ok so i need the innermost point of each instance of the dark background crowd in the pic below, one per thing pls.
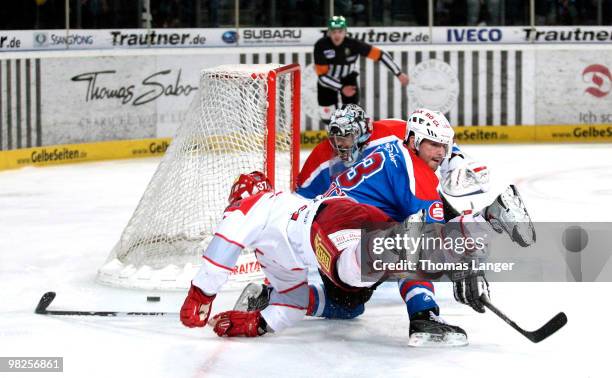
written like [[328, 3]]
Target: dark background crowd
[[101, 14]]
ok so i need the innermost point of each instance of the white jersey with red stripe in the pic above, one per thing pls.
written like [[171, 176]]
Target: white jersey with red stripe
[[277, 227]]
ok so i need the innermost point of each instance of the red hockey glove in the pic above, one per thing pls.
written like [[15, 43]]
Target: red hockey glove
[[238, 323], [196, 308]]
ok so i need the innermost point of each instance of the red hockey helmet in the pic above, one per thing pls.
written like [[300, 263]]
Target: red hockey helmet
[[248, 185]]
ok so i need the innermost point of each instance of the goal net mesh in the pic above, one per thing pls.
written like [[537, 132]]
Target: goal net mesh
[[223, 135]]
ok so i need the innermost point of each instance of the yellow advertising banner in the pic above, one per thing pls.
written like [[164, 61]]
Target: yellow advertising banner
[[76, 153], [534, 134], [510, 134]]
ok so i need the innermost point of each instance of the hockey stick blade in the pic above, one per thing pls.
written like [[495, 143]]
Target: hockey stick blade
[[44, 302], [552, 326], [48, 297]]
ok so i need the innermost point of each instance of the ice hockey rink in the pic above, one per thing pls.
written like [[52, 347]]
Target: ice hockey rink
[[58, 225]]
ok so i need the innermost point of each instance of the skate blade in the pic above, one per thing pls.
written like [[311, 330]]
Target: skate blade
[[252, 290], [420, 340]]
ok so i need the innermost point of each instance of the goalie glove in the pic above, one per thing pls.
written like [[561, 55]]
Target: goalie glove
[[468, 288], [462, 176], [239, 323], [508, 213], [196, 308]]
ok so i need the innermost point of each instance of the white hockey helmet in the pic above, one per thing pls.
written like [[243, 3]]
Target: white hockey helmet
[[430, 125]]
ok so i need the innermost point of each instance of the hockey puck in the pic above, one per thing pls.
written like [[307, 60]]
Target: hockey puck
[[153, 299]]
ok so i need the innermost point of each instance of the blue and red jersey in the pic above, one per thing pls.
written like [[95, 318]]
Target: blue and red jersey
[[393, 179], [323, 165]]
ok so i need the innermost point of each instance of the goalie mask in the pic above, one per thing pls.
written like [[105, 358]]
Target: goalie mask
[[248, 185], [430, 125], [349, 130]]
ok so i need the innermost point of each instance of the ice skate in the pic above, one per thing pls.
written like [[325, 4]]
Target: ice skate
[[255, 296], [427, 329]]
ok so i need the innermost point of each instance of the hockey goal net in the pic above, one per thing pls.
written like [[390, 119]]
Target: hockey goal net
[[244, 118]]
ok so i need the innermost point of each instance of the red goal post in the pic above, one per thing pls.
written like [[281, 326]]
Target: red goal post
[[294, 70]]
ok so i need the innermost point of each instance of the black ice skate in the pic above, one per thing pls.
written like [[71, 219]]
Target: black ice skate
[[255, 296], [427, 329], [508, 213]]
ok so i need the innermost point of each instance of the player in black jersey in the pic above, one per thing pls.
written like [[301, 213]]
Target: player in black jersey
[[335, 58]]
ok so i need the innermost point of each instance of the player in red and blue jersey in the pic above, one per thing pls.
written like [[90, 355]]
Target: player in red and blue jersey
[[398, 177], [460, 175]]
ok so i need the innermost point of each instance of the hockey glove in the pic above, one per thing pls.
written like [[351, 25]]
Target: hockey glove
[[239, 323], [468, 289], [462, 176], [196, 308], [508, 213]]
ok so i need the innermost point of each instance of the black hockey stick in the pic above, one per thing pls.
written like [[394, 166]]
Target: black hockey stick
[[48, 297], [552, 326]]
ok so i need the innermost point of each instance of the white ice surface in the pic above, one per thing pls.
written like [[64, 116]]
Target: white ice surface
[[58, 224]]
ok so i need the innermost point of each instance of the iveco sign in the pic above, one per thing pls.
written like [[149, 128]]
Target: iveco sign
[[474, 35]]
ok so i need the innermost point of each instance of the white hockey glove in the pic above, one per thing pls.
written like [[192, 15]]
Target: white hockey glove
[[462, 176], [508, 214]]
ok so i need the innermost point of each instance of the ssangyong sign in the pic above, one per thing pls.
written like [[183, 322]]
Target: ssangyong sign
[[55, 40]]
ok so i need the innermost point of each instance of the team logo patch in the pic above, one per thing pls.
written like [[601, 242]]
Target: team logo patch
[[329, 54], [436, 211], [323, 255], [345, 238]]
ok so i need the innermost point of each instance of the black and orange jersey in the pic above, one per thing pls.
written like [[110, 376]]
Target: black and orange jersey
[[332, 63]]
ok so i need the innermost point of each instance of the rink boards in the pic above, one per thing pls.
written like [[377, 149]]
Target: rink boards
[[66, 98], [82, 152]]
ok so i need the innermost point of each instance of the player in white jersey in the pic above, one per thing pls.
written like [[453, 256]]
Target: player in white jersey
[[257, 218], [282, 230]]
